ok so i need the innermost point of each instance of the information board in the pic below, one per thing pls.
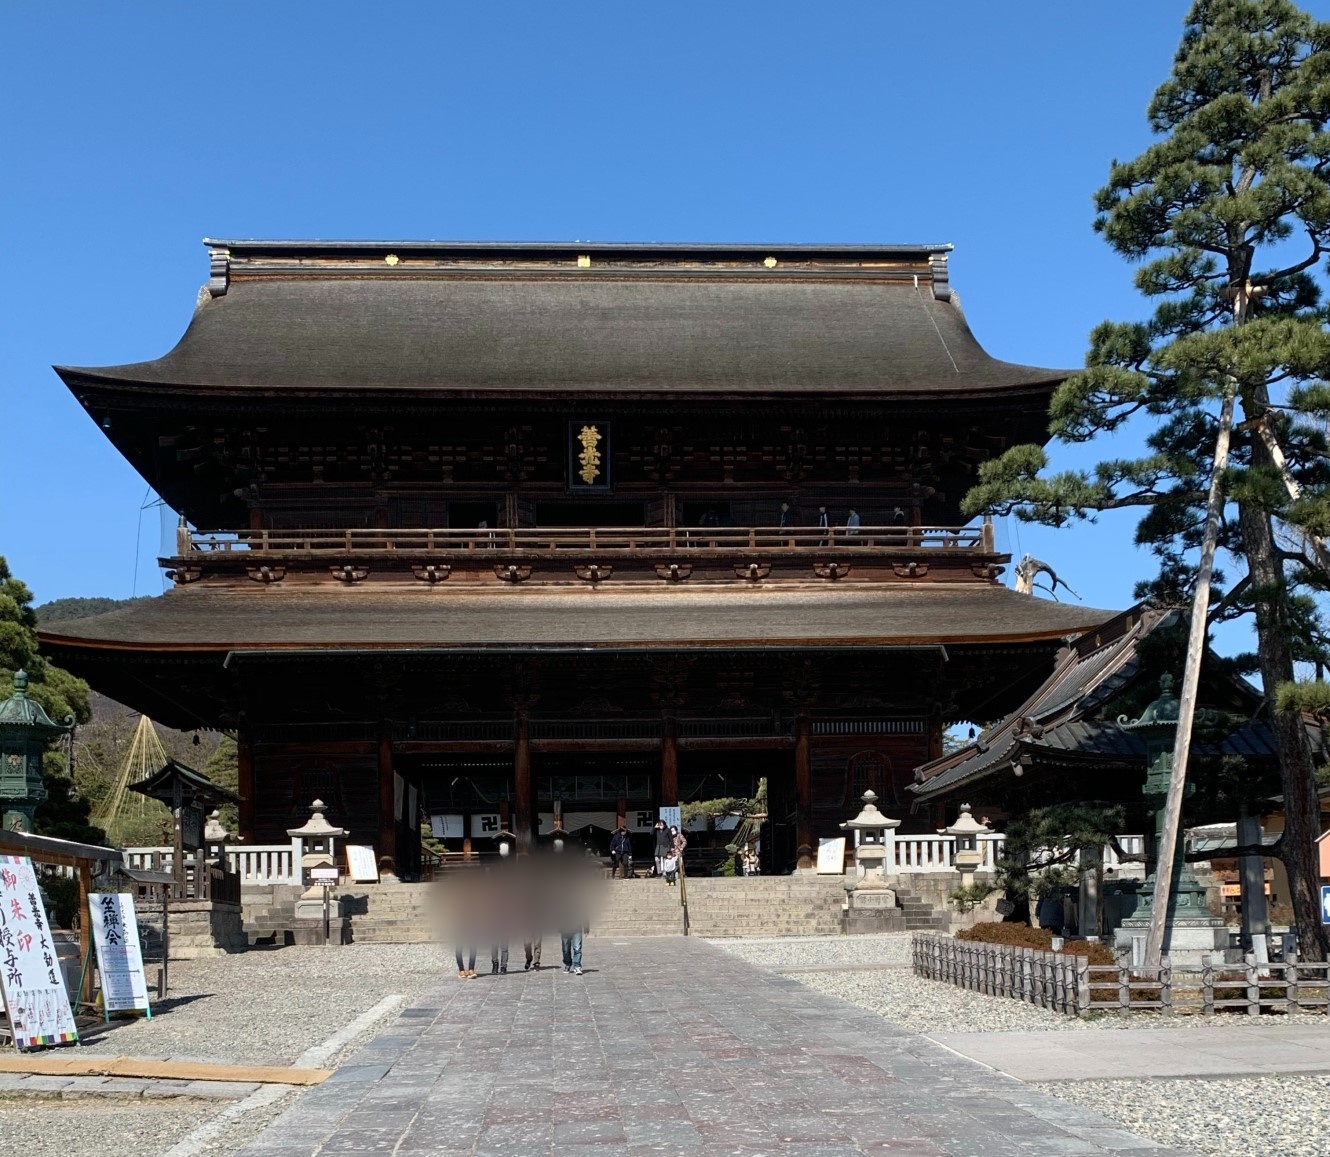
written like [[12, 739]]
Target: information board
[[673, 817], [1325, 903], [831, 856], [115, 934], [30, 981], [360, 865]]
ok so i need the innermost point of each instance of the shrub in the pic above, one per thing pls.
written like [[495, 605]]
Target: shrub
[[1023, 936]]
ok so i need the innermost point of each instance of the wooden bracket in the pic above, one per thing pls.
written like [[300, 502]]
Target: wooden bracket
[[986, 570], [512, 573], [181, 575], [593, 572], [433, 573], [910, 569], [348, 574], [753, 571], [674, 572], [830, 570], [266, 574]]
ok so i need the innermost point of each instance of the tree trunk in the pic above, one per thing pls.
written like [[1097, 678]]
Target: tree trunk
[[1297, 774]]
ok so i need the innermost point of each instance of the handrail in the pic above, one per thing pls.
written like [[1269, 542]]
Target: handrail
[[697, 539]]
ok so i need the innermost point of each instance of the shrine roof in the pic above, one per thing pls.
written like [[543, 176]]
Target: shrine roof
[[470, 319], [414, 617], [1060, 721]]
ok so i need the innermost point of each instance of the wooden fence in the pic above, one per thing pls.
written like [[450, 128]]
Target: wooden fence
[[1071, 984]]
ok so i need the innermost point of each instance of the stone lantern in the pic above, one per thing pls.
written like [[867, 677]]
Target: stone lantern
[[874, 843], [25, 731], [1192, 932], [314, 845], [966, 854], [870, 903], [215, 839]]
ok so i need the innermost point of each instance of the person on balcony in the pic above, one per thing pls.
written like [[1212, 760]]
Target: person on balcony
[[852, 524], [824, 524]]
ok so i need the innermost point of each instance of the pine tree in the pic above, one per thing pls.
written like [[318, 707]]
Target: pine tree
[[1229, 214]]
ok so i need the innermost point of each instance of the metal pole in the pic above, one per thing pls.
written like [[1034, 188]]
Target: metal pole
[[325, 914], [1191, 678]]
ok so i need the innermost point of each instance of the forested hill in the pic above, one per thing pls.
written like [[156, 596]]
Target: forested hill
[[62, 610]]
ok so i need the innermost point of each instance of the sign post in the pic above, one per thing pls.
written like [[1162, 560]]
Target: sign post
[[1325, 903], [115, 933], [30, 980], [327, 877]]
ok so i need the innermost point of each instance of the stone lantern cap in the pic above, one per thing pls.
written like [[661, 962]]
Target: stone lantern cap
[[316, 827], [966, 825], [869, 817], [213, 832], [19, 712]]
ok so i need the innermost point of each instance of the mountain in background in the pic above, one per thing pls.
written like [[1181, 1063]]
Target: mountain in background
[[62, 610]]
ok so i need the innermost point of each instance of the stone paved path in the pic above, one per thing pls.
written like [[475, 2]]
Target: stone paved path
[[1211, 1051], [670, 1046]]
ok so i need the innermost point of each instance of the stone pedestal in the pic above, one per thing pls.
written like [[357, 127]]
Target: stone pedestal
[[872, 907], [205, 928], [1189, 942]]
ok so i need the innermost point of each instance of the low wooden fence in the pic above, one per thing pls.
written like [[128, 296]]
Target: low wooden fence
[[1071, 984]]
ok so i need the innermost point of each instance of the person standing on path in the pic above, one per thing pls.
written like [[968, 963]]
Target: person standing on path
[[662, 848], [678, 842]]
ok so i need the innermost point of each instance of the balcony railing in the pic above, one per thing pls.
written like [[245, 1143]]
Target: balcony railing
[[610, 539]]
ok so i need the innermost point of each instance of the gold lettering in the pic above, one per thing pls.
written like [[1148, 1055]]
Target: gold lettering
[[589, 459]]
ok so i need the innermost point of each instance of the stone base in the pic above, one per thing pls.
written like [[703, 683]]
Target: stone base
[[1189, 942], [311, 932], [205, 928], [864, 921]]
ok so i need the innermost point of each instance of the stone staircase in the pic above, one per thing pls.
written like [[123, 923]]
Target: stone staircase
[[717, 907]]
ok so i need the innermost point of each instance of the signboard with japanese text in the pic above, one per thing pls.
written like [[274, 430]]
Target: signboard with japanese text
[[360, 865], [673, 817], [115, 933], [191, 827], [589, 457], [831, 856], [30, 981]]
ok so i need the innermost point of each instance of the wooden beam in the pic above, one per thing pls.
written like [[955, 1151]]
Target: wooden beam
[[803, 788], [387, 801], [522, 785], [245, 785], [669, 763]]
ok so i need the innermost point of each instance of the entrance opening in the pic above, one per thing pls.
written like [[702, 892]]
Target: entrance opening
[[591, 788], [590, 514]]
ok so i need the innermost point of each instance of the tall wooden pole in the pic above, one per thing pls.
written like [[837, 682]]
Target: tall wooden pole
[[1191, 680], [803, 794]]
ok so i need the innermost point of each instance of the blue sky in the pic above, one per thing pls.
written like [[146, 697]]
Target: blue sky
[[134, 130]]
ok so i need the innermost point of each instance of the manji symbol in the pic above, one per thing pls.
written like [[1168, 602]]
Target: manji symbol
[[589, 458]]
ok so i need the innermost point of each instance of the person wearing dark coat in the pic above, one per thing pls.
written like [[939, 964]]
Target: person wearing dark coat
[[621, 853], [662, 849]]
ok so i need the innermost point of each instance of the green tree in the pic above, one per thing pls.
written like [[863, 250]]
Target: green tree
[[1229, 214], [59, 692]]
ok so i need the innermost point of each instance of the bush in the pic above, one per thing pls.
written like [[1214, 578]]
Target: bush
[[1023, 936], [62, 895]]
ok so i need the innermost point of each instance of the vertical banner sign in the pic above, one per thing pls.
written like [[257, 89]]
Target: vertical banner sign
[[589, 457], [30, 980], [115, 932], [673, 817]]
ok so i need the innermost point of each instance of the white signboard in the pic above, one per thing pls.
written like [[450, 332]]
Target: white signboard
[[30, 981], [360, 865], [115, 932], [673, 817], [831, 856], [447, 827]]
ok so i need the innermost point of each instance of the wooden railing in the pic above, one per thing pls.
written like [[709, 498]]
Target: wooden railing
[[1067, 983], [257, 864], [633, 539]]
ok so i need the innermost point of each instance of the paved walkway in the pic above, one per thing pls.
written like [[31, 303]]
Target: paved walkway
[[1211, 1051], [670, 1046]]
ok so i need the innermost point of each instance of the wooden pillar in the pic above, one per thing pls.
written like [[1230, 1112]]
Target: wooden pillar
[[245, 786], [669, 763], [803, 791], [84, 995], [621, 813], [524, 825], [387, 802]]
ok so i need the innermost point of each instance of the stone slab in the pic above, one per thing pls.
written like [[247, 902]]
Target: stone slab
[[1238, 1050], [671, 1046]]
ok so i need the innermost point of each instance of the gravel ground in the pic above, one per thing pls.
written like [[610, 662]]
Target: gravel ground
[[266, 1008], [1236, 1117], [928, 1006], [262, 1008]]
